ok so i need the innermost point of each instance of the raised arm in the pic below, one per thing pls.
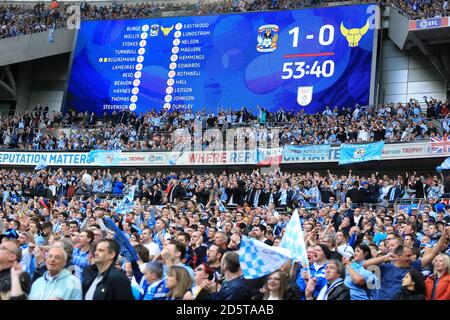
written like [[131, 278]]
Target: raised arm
[[429, 255]]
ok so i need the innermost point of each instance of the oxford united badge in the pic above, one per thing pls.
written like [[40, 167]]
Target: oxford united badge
[[267, 38]]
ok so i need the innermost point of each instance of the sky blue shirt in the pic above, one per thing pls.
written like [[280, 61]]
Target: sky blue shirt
[[357, 292], [391, 278]]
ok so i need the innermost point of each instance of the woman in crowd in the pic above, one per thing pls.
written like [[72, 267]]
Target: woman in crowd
[[278, 287], [179, 284], [358, 279], [202, 272], [413, 286], [438, 284]]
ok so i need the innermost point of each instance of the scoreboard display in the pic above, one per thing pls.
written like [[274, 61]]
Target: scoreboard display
[[297, 59]]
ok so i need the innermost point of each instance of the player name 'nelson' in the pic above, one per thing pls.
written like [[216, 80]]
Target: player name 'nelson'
[[196, 33]]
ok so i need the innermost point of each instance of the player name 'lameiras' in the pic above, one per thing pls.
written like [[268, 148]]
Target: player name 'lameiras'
[[123, 67], [195, 33]]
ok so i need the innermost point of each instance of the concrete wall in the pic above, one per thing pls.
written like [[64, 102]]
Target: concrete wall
[[34, 46], [42, 81], [407, 74]]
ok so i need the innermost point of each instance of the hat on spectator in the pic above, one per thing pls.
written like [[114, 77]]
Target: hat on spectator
[[440, 207]]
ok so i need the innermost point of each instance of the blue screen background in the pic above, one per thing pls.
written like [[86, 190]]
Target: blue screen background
[[234, 73]]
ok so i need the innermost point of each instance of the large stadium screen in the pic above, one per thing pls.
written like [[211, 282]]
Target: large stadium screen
[[301, 59]]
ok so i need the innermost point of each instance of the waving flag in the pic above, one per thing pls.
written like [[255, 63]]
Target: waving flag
[[439, 145], [268, 157], [104, 158], [41, 165], [258, 259], [444, 166], [222, 208], [126, 205], [126, 249], [362, 152], [293, 239], [152, 221]]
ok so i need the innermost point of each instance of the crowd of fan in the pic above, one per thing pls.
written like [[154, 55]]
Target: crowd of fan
[[62, 238], [16, 20], [43, 130], [423, 9]]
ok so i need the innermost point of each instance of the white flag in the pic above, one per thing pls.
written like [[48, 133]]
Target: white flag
[[293, 239], [258, 259]]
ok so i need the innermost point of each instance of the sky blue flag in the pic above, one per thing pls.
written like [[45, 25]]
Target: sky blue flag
[[152, 221], [104, 158], [444, 166], [294, 240], [126, 205], [222, 208], [362, 152], [51, 34], [126, 249], [258, 259], [41, 165]]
